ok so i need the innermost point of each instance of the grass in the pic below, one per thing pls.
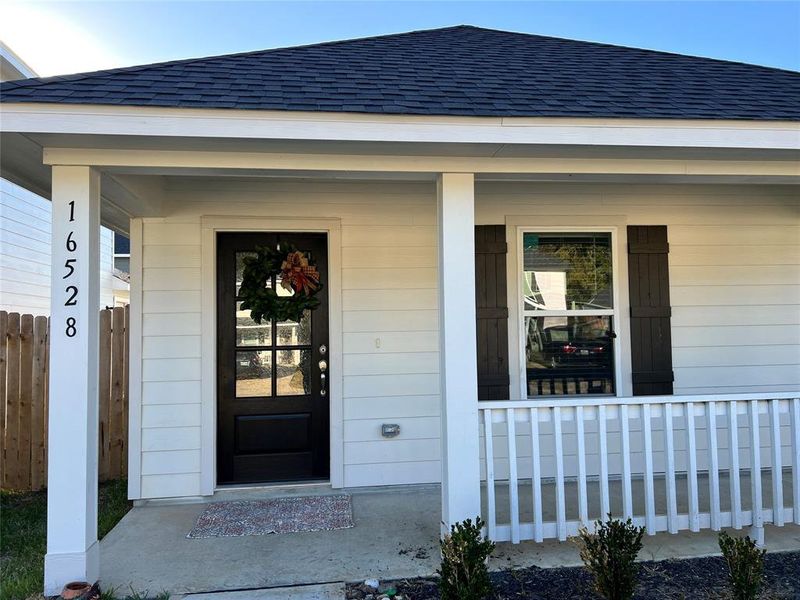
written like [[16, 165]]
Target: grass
[[23, 536]]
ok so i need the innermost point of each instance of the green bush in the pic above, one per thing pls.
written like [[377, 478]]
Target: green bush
[[745, 565], [609, 554], [463, 574]]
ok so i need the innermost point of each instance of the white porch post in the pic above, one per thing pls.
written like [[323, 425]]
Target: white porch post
[[458, 360], [72, 552]]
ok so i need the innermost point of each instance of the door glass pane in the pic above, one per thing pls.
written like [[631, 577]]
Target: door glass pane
[[566, 271], [253, 373], [250, 333], [295, 334], [569, 355], [293, 372]]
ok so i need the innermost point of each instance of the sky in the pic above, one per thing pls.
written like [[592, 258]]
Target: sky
[[59, 37]]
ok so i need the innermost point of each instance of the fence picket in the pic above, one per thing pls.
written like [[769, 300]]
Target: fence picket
[[25, 400], [12, 477], [123, 463], [38, 403], [117, 414], [104, 354], [24, 369], [3, 369]]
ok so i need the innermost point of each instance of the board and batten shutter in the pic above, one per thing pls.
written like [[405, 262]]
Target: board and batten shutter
[[491, 303], [651, 339]]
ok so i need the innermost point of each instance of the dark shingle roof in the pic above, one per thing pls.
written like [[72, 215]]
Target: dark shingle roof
[[462, 70]]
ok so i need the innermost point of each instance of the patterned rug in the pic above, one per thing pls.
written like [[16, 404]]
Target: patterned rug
[[279, 515]]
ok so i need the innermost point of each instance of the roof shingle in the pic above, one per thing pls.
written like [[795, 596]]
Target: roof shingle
[[463, 70]]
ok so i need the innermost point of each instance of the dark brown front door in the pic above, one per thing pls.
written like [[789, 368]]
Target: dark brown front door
[[272, 402]]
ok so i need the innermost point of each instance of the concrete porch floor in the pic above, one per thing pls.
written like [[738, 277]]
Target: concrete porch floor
[[395, 536]]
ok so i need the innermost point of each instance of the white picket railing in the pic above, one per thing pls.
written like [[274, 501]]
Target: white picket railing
[[761, 432]]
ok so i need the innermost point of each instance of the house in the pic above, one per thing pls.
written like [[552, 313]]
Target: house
[[25, 235], [542, 260]]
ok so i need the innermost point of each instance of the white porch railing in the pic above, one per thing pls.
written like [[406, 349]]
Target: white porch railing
[[594, 446]]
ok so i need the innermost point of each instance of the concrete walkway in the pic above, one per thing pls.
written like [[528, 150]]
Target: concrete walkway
[[396, 536]]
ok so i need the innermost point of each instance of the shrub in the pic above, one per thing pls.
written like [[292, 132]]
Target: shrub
[[609, 554], [463, 573], [745, 565]]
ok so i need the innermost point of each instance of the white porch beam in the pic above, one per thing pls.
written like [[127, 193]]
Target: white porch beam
[[72, 550], [173, 159], [461, 494]]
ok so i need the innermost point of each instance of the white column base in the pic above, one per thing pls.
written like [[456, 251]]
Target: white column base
[[61, 568]]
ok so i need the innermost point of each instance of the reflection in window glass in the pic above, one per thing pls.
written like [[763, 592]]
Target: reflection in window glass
[[567, 271], [295, 334], [250, 333], [569, 355], [253, 373], [292, 372]]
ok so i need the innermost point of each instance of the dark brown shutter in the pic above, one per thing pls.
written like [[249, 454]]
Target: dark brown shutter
[[651, 340], [492, 312]]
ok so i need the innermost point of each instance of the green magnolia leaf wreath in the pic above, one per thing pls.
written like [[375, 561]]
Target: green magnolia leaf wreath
[[294, 272]]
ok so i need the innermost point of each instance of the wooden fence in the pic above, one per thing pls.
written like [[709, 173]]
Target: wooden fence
[[24, 374]]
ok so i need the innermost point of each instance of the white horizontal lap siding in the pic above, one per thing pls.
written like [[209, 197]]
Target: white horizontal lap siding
[[25, 220], [171, 359], [390, 323], [24, 250], [391, 359]]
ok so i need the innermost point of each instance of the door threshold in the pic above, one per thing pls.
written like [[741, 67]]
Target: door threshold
[[258, 491]]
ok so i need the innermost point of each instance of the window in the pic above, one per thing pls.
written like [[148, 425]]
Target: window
[[568, 313]]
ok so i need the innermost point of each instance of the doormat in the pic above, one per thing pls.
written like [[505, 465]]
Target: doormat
[[278, 515]]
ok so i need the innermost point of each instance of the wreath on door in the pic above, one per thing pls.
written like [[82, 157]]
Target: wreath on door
[[294, 271]]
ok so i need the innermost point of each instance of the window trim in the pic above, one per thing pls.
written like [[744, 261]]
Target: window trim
[[620, 328]]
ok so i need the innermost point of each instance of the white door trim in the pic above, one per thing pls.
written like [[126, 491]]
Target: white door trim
[[210, 226]]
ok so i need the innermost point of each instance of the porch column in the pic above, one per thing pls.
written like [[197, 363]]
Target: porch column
[[458, 358], [72, 552]]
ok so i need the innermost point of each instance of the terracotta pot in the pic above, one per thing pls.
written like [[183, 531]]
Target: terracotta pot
[[75, 589]]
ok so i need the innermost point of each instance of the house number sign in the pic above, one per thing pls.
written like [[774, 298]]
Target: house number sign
[[70, 277]]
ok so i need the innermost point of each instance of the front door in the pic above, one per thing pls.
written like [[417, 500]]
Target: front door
[[272, 403]]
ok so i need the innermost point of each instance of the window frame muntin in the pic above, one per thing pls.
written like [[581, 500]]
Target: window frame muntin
[[614, 312]]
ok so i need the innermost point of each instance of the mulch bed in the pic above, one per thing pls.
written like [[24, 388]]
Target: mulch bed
[[700, 578]]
